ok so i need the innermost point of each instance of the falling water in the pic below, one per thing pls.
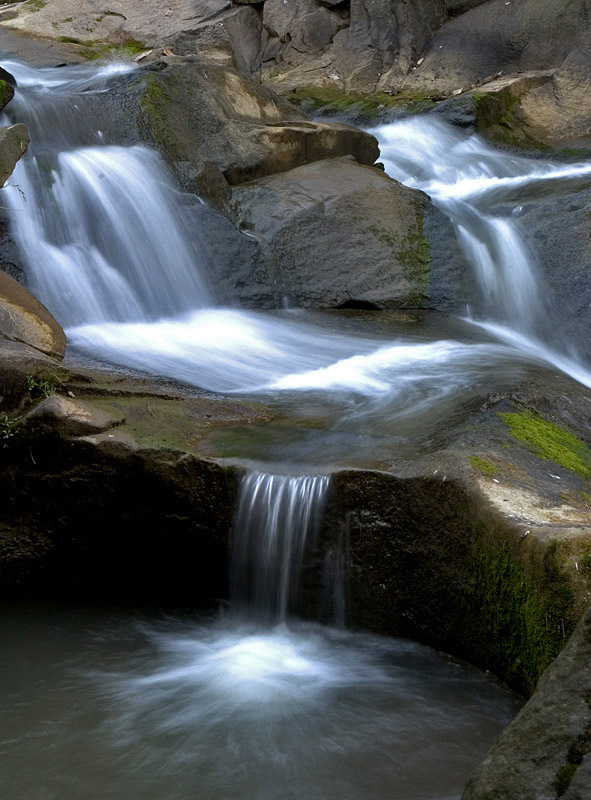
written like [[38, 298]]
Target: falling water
[[97, 225], [479, 189], [99, 228], [276, 525]]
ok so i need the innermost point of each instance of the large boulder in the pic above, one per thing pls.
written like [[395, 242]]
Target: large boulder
[[31, 342], [547, 110], [338, 233], [500, 36], [546, 751]]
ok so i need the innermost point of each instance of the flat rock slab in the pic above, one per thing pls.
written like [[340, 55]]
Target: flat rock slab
[[71, 417]]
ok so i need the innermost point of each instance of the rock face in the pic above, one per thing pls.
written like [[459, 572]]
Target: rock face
[[223, 130], [551, 110], [546, 750], [339, 234], [288, 183], [24, 319], [427, 45]]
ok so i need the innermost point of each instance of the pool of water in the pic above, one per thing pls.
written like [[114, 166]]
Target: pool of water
[[123, 705]]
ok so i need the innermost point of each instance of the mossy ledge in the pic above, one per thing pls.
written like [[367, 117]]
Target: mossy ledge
[[550, 442], [333, 100], [429, 559]]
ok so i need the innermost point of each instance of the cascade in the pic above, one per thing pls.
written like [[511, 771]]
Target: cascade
[[99, 228], [253, 704], [276, 524]]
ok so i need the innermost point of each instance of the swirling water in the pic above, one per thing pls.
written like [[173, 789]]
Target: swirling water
[[252, 704]]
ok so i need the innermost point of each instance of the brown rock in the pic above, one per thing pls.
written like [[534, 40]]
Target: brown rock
[[71, 417], [24, 319]]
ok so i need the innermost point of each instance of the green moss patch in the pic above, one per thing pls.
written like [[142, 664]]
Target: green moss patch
[[333, 100], [413, 253], [527, 614], [549, 442], [6, 93], [155, 103], [35, 5], [483, 466]]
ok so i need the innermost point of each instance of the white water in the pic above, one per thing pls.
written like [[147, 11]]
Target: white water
[[171, 709], [275, 529], [478, 187], [98, 228]]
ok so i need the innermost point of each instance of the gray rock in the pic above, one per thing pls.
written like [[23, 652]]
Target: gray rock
[[557, 232], [339, 233], [14, 141], [545, 748], [493, 36]]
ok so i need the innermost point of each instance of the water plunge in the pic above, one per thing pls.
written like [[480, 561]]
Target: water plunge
[[239, 706]]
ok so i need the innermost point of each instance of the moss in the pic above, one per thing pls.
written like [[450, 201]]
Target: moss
[[35, 5], [485, 467], [576, 752], [527, 614], [549, 442], [6, 93], [155, 103], [133, 47], [413, 253], [333, 100], [497, 118]]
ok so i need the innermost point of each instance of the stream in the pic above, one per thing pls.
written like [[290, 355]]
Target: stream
[[251, 701]]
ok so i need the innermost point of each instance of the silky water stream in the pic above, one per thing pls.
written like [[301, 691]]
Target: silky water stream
[[254, 702]]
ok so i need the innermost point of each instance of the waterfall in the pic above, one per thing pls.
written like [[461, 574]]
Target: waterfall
[[97, 224], [100, 228], [278, 518], [480, 190]]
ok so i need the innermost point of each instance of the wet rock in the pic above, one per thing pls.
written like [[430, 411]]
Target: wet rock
[[224, 130], [546, 750], [339, 233], [24, 319], [557, 231], [71, 417], [14, 141]]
